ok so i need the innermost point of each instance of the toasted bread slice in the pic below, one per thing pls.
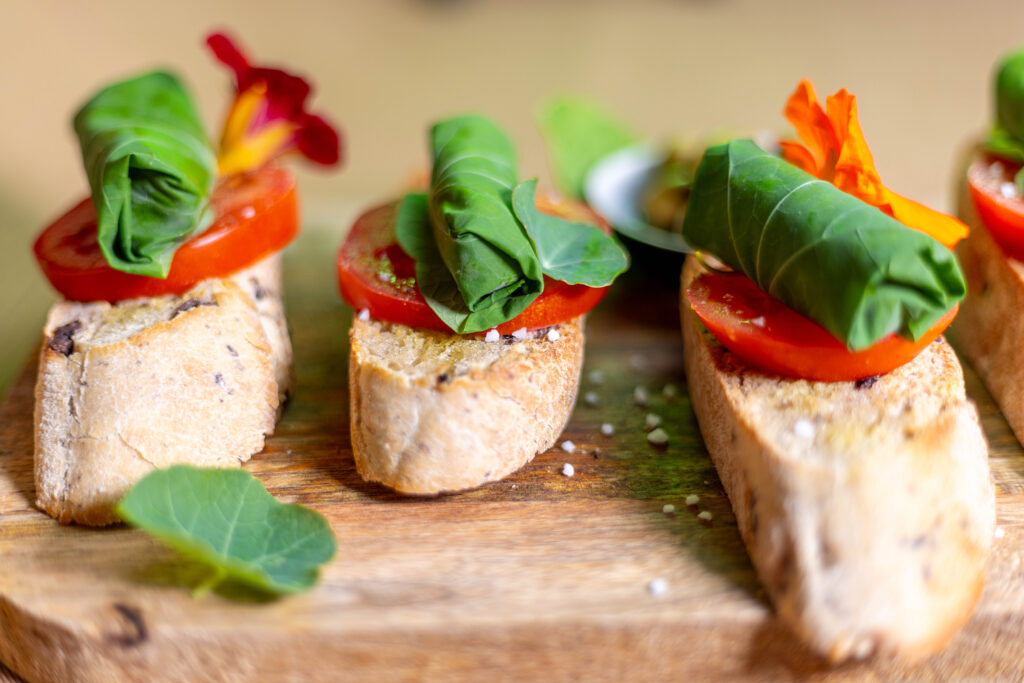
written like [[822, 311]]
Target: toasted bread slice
[[262, 282], [867, 507], [989, 329], [434, 412], [147, 383]]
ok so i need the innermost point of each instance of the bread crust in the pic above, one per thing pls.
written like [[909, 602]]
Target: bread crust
[[262, 282], [147, 383], [989, 329], [870, 523], [433, 412]]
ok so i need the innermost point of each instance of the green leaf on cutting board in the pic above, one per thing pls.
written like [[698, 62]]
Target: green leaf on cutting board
[[228, 520], [150, 167], [579, 133], [844, 264], [576, 253]]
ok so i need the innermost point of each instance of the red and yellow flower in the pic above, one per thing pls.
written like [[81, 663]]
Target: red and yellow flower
[[268, 117]]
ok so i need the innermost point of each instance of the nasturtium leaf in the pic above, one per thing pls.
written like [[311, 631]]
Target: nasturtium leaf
[[579, 133], [151, 170], [227, 519], [854, 270], [576, 253]]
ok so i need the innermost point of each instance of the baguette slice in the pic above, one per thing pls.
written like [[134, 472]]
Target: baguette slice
[[433, 412], [147, 383], [989, 330], [867, 511]]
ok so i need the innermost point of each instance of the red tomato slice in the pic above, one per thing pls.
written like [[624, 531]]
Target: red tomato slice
[[255, 213], [1001, 214], [375, 274], [769, 335]]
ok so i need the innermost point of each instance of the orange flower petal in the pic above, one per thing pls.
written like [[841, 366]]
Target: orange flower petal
[[942, 227], [799, 156], [832, 147], [812, 125]]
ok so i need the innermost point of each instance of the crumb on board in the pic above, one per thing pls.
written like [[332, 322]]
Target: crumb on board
[[640, 397], [670, 391], [657, 587], [668, 508], [595, 377], [590, 398], [652, 421], [692, 499], [568, 446], [705, 515], [657, 437], [568, 470], [607, 429]]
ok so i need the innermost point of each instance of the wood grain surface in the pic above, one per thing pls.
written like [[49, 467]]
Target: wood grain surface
[[539, 576]]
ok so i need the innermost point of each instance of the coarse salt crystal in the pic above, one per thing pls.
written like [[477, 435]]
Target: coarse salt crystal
[[492, 336], [590, 398], [692, 499], [248, 212], [1007, 190], [568, 446], [758, 321], [804, 429], [553, 335], [364, 314], [657, 587], [652, 420], [640, 396], [1000, 532], [658, 437], [995, 168], [520, 334], [568, 470], [705, 515], [670, 391], [595, 377], [607, 429], [668, 508]]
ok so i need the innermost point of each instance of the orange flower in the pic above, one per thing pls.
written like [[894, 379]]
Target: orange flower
[[832, 148]]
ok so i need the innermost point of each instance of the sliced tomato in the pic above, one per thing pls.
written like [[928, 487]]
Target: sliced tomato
[[255, 214], [375, 274], [1000, 207], [767, 334]]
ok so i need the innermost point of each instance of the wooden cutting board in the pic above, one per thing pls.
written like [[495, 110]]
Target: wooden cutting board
[[539, 576]]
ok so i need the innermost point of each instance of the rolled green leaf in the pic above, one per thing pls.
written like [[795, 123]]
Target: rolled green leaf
[[150, 168], [1010, 95], [841, 262], [489, 258]]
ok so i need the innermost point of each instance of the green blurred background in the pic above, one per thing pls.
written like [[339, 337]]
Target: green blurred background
[[385, 69]]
